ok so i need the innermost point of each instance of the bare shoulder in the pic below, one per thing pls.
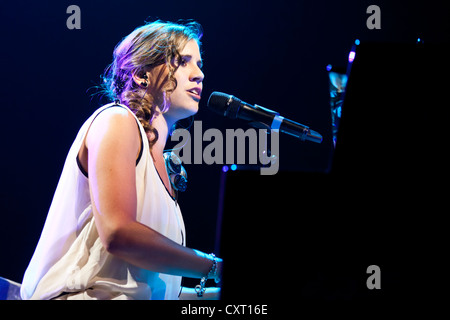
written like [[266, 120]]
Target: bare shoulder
[[115, 129], [114, 115], [113, 121], [115, 125]]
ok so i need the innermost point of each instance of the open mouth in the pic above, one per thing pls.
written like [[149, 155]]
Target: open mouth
[[196, 92]]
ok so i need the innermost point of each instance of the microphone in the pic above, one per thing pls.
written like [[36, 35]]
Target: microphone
[[231, 107]]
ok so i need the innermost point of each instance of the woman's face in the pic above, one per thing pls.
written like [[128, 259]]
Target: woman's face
[[185, 98]]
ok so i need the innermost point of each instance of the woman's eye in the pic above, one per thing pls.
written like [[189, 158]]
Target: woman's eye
[[183, 62]]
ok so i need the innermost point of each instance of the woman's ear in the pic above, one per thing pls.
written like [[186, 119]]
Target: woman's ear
[[141, 79]]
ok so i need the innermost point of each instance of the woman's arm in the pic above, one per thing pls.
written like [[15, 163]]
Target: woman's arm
[[112, 146]]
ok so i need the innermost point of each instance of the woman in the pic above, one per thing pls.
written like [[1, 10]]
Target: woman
[[114, 229]]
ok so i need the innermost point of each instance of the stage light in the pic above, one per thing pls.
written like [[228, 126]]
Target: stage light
[[351, 56], [357, 42], [225, 168], [329, 67], [233, 167]]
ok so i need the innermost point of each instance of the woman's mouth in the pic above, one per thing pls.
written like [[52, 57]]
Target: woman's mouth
[[196, 93]]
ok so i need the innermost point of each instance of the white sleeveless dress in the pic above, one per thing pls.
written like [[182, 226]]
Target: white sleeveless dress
[[70, 261]]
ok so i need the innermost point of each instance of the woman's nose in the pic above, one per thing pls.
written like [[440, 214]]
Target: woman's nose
[[197, 76]]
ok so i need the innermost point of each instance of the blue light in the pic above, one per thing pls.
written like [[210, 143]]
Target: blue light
[[225, 168], [357, 42], [233, 167], [329, 67]]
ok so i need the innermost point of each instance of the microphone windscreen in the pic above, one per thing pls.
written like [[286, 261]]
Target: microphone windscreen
[[218, 102]]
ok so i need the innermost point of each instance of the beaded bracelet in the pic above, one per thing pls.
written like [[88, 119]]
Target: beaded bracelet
[[200, 288]]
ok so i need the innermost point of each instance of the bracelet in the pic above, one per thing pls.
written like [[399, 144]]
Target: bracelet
[[200, 288]]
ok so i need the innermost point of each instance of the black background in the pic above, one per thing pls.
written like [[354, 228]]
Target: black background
[[382, 203], [270, 53]]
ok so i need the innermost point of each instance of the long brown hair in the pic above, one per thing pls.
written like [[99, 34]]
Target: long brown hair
[[153, 44]]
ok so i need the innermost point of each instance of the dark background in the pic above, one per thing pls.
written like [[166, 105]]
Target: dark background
[[270, 53], [382, 203]]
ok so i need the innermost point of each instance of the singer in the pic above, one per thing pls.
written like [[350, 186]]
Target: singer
[[114, 229]]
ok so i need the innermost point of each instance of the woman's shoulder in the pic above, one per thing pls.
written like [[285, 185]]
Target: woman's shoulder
[[112, 120], [112, 109], [113, 114]]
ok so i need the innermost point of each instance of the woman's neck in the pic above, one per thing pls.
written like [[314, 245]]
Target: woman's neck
[[162, 125]]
